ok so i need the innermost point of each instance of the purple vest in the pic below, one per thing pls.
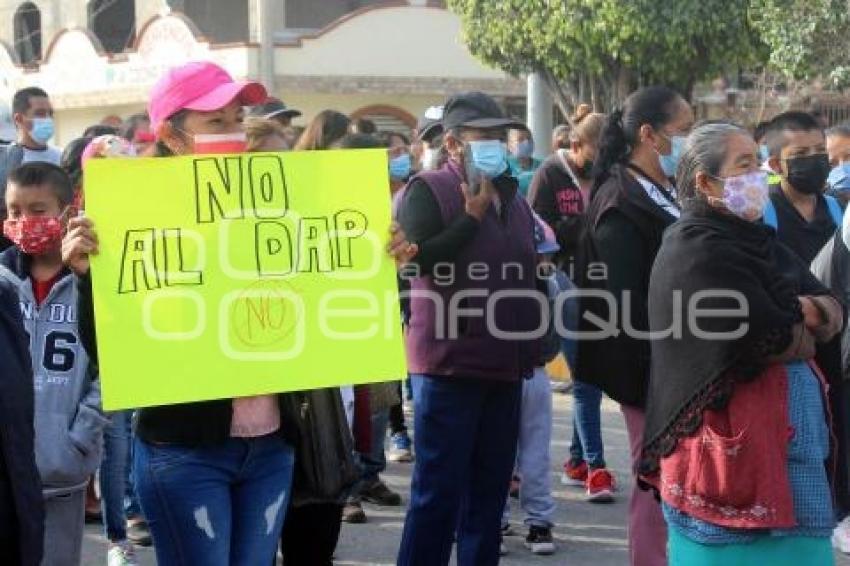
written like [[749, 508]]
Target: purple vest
[[451, 332]]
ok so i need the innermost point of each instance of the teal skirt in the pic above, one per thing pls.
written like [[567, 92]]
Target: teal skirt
[[775, 551]]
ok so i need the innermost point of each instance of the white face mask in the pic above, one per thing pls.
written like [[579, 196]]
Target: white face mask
[[745, 195]]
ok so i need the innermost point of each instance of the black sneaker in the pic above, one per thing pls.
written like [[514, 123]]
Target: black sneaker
[[539, 540], [378, 493], [138, 533], [353, 512]]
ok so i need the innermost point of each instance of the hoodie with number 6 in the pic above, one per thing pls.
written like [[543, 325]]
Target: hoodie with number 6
[[69, 421]]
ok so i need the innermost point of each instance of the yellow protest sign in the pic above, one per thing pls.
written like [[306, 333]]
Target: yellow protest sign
[[227, 276]]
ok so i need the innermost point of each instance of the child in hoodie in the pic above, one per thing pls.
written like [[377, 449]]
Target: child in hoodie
[[68, 419]]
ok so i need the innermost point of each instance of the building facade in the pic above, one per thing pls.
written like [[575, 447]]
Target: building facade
[[385, 60]]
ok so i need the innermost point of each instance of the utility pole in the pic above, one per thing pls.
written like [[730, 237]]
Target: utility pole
[[539, 115], [264, 26]]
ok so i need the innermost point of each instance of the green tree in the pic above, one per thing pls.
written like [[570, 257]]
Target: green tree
[[600, 50], [807, 39]]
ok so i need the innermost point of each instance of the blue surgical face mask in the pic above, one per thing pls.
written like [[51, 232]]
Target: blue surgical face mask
[[400, 166], [489, 157], [524, 149], [42, 129], [670, 162], [839, 177], [764, 153]]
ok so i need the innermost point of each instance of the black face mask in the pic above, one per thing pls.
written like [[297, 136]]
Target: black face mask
[[808, 174]]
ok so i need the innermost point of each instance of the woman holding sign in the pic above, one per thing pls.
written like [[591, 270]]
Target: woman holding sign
[[213, 477]]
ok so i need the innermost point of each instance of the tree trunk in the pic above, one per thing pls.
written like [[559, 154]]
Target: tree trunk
[[564, 93], [762, 90], [582, 91], [594, 96], [623, 85]]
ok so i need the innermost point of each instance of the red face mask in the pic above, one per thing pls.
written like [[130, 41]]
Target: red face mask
[[207, 144], [34, 235]]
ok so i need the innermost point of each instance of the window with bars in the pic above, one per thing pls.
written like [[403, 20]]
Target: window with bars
[[219, 21], [113, 22], [27, 30]]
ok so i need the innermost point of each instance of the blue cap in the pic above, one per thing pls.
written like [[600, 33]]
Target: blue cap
[[544, 237]]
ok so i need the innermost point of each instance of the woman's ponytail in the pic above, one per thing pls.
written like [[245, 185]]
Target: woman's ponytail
[[582, 111], [613, 148], [653, 106]]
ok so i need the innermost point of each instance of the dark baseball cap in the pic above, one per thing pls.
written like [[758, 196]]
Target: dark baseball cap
[[432, 117], [273, 107], [473, 110]]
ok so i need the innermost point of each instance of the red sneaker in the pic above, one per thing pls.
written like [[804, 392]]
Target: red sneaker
[[515, 483], [600, 486], [574, 474]]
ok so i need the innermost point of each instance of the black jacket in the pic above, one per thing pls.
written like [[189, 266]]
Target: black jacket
[[21, 503], [623, 233], [557, 199]]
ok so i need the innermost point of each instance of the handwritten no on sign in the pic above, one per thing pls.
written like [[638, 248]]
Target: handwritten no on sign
[[235, 275]]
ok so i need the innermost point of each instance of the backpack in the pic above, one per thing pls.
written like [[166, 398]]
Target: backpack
[[835, 212]]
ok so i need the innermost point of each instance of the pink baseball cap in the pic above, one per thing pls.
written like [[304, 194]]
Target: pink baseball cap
[[201, 86]]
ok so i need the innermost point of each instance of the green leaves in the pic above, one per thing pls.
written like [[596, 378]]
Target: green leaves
[[806, 38], [617, 45]]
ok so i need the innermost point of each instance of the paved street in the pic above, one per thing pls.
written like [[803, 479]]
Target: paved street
[[586, 534]]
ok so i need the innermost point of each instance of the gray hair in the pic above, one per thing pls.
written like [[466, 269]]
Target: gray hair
[[705, 151], [561, 130], [841, 130]]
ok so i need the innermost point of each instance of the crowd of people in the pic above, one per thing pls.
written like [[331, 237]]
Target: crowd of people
[[693, 272]]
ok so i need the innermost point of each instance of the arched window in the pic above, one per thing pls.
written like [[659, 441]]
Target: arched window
[[27, 25], [218, 21], [315, 15], [113, 22]]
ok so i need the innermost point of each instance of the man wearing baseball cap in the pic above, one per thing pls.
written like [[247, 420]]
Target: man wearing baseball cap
[[468, 342], [426, 148], [274, 109]]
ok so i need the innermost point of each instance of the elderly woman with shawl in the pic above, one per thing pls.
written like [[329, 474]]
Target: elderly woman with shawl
[[737, 435]]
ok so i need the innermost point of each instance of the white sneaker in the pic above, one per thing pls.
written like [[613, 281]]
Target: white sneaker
[[121, 554], [841, 536]]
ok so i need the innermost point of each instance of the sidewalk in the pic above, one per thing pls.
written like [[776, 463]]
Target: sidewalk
[[586, 534]]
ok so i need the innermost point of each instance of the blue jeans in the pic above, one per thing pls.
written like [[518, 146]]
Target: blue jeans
[[587, 425], [217, 506], [465, 443], [569, 317], [587, 399], [376, 461], [133, 507], [114, 473]]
